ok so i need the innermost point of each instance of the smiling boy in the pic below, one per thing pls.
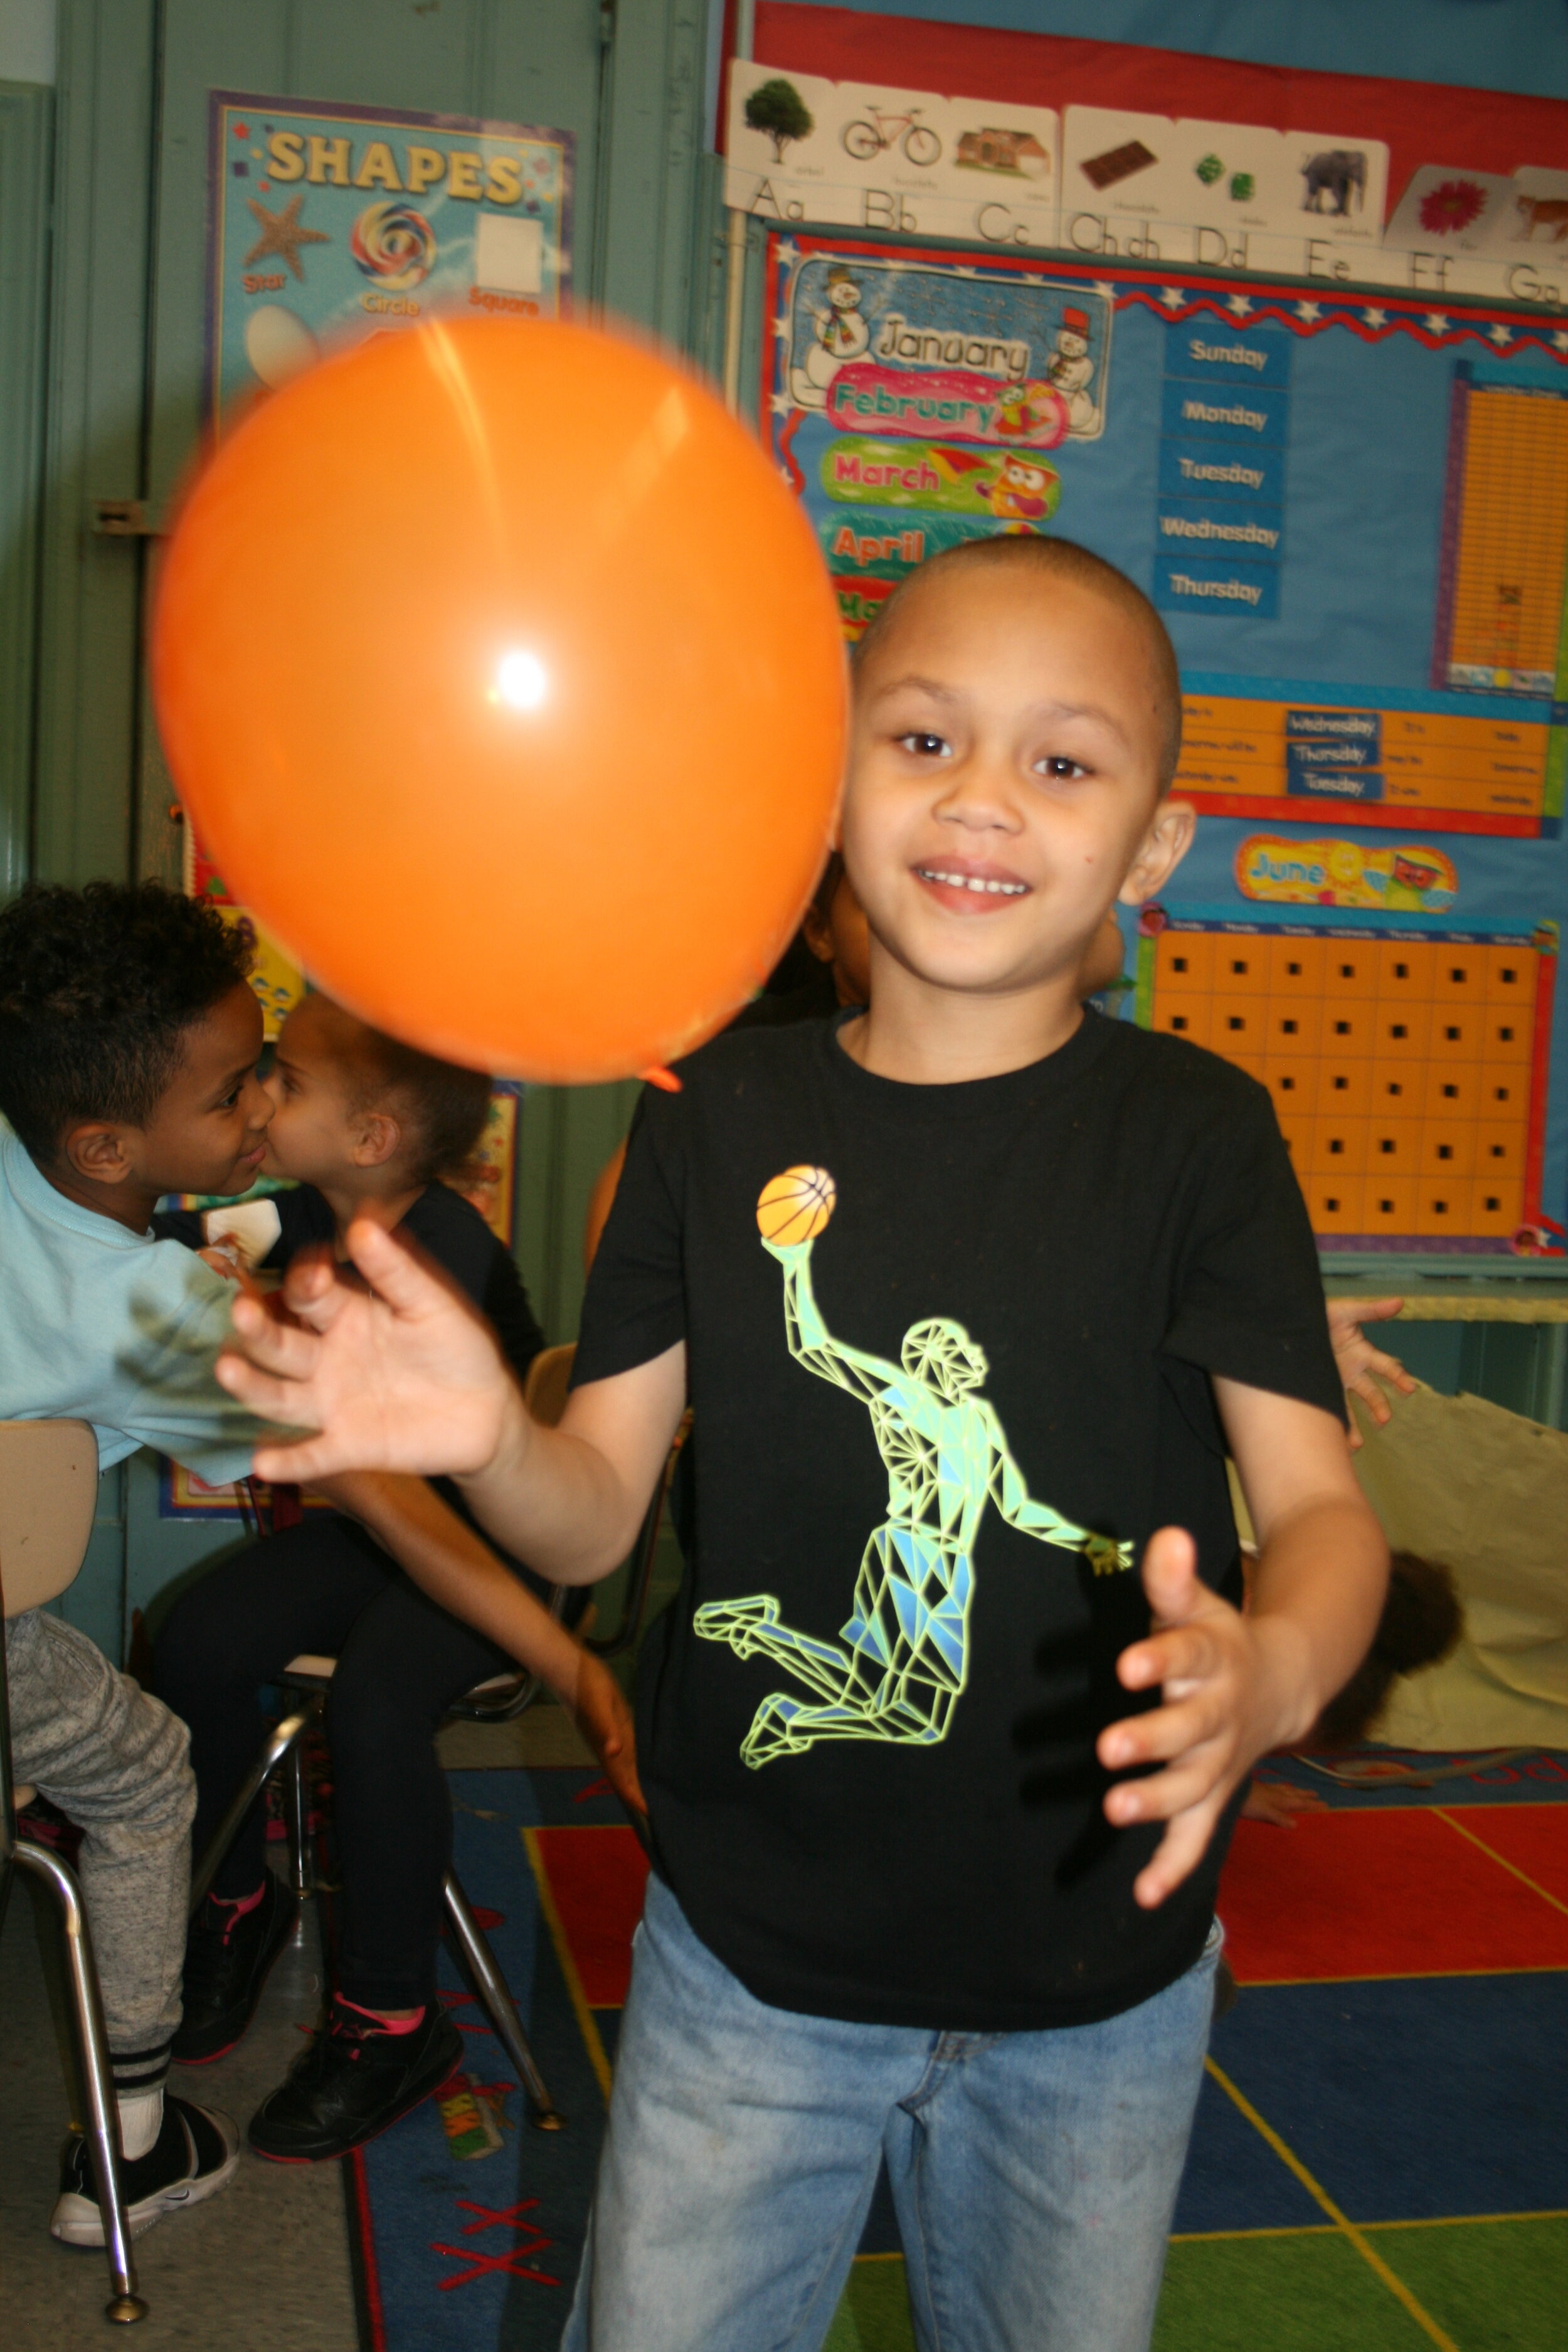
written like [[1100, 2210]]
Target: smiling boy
[[931, 1887]]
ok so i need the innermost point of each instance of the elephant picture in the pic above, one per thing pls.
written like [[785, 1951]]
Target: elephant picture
[[1334, 175]]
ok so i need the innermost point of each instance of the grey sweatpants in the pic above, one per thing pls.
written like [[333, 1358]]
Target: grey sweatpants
[[114, 1761]]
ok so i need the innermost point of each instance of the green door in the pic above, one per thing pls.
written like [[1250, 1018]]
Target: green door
[[126, 394]]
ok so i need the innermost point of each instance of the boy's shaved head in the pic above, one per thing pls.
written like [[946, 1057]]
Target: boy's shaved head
[[1035, 559]]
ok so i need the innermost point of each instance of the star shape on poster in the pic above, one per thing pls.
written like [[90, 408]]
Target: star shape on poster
[[1240, 304], [780, 403], [1172, 297], [966, 269], [780, 330], [1561, 340], [1376, 318], [1308, 312], [282, 234], [788, 252], [1102, 287], [1435, 323], [1499, 332]]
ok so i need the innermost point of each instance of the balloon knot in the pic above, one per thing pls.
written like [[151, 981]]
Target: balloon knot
[[665, 1080]]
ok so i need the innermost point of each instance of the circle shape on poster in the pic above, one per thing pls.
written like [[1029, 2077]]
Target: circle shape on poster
[[796, 1207], [278, 344], [394, 244], [500, 674]]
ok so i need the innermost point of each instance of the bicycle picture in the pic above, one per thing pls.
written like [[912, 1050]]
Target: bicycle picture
[[919, 142]]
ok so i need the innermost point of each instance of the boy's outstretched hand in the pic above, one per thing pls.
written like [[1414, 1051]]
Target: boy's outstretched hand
[[1232, 1686], [401, 1375], [1227, 1698]]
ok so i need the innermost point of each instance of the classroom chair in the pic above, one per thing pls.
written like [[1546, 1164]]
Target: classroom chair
[[49, 1487], [500, 1698]]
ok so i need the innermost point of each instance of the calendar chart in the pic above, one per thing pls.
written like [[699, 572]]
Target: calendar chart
[[1408, 1069], [1508, 540]]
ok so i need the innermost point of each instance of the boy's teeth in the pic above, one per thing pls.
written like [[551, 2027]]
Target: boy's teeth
[[972, 882]]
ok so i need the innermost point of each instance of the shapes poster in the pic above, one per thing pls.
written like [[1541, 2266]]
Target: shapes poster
[[330, 223]]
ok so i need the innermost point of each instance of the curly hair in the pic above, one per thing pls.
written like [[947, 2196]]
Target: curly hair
[[444, 1106], [98, 987]]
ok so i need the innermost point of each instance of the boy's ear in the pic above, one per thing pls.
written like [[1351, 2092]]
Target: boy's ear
[[1162, 850], [818, 933], [98, 1151], [380, 1136]]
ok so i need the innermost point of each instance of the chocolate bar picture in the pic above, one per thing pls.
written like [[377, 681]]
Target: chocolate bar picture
[[1117, 163]]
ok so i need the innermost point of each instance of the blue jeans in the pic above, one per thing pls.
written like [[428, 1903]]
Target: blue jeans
[[1034, 2174]]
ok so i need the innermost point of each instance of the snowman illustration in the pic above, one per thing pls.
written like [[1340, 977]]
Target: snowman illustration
[[1070, 370], [840, 334]]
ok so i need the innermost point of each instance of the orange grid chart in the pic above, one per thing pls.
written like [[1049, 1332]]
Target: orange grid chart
[[1408, 1068], [1508, 551]]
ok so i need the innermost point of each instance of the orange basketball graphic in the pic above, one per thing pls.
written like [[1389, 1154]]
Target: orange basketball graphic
[[796, 1207]]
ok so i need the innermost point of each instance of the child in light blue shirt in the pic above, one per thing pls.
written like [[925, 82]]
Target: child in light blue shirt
[[129, 1041], [73, 1283]]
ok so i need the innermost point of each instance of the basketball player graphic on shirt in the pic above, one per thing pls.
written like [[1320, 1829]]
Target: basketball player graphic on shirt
[[903, 1656]]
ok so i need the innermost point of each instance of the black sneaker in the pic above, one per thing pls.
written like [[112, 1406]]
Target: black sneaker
[[350, 2084], [226, 1962], [195, 2155]]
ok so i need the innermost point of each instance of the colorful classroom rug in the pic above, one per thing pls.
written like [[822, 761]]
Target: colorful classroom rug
[[1380, 2157]]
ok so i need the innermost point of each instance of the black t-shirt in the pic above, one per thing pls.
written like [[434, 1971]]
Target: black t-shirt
[[448, 1229], [867, 1724]]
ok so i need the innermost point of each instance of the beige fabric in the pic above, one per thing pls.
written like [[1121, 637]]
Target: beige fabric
[[48, 1491], [1459, 1480], [1518, 1303]]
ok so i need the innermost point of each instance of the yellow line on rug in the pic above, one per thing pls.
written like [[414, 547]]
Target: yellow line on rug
[[1501, 1859], [587, 2025], [1341, 2220]]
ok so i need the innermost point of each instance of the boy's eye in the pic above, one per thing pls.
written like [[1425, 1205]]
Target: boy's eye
[[924, 745], [1060, 770]]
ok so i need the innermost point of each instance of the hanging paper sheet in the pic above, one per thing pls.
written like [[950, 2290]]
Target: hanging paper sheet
[[330, 223]]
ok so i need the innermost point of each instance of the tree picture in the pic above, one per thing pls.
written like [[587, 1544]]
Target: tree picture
[[778, 109]]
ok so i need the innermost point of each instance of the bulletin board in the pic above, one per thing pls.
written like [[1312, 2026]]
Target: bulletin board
[[1351, 508], [1353, 513]]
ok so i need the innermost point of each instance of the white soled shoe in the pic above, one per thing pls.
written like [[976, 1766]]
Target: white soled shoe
[[196, 2154]]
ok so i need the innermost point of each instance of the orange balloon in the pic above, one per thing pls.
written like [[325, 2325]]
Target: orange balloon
[[501, 676]]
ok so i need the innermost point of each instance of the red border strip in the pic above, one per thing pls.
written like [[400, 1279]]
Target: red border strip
[[362, 2256], [1422, 122], [1540, 1079], [1361, 813]]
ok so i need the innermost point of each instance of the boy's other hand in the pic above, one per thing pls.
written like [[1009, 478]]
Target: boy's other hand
[[1360, 1365], [600, 1711], [1225, 1700], [399, 1373]]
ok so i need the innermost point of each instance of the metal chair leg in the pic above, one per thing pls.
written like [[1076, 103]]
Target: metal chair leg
[[498, 2005], [126, 2306], [297, 1813], [285, 1737]]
